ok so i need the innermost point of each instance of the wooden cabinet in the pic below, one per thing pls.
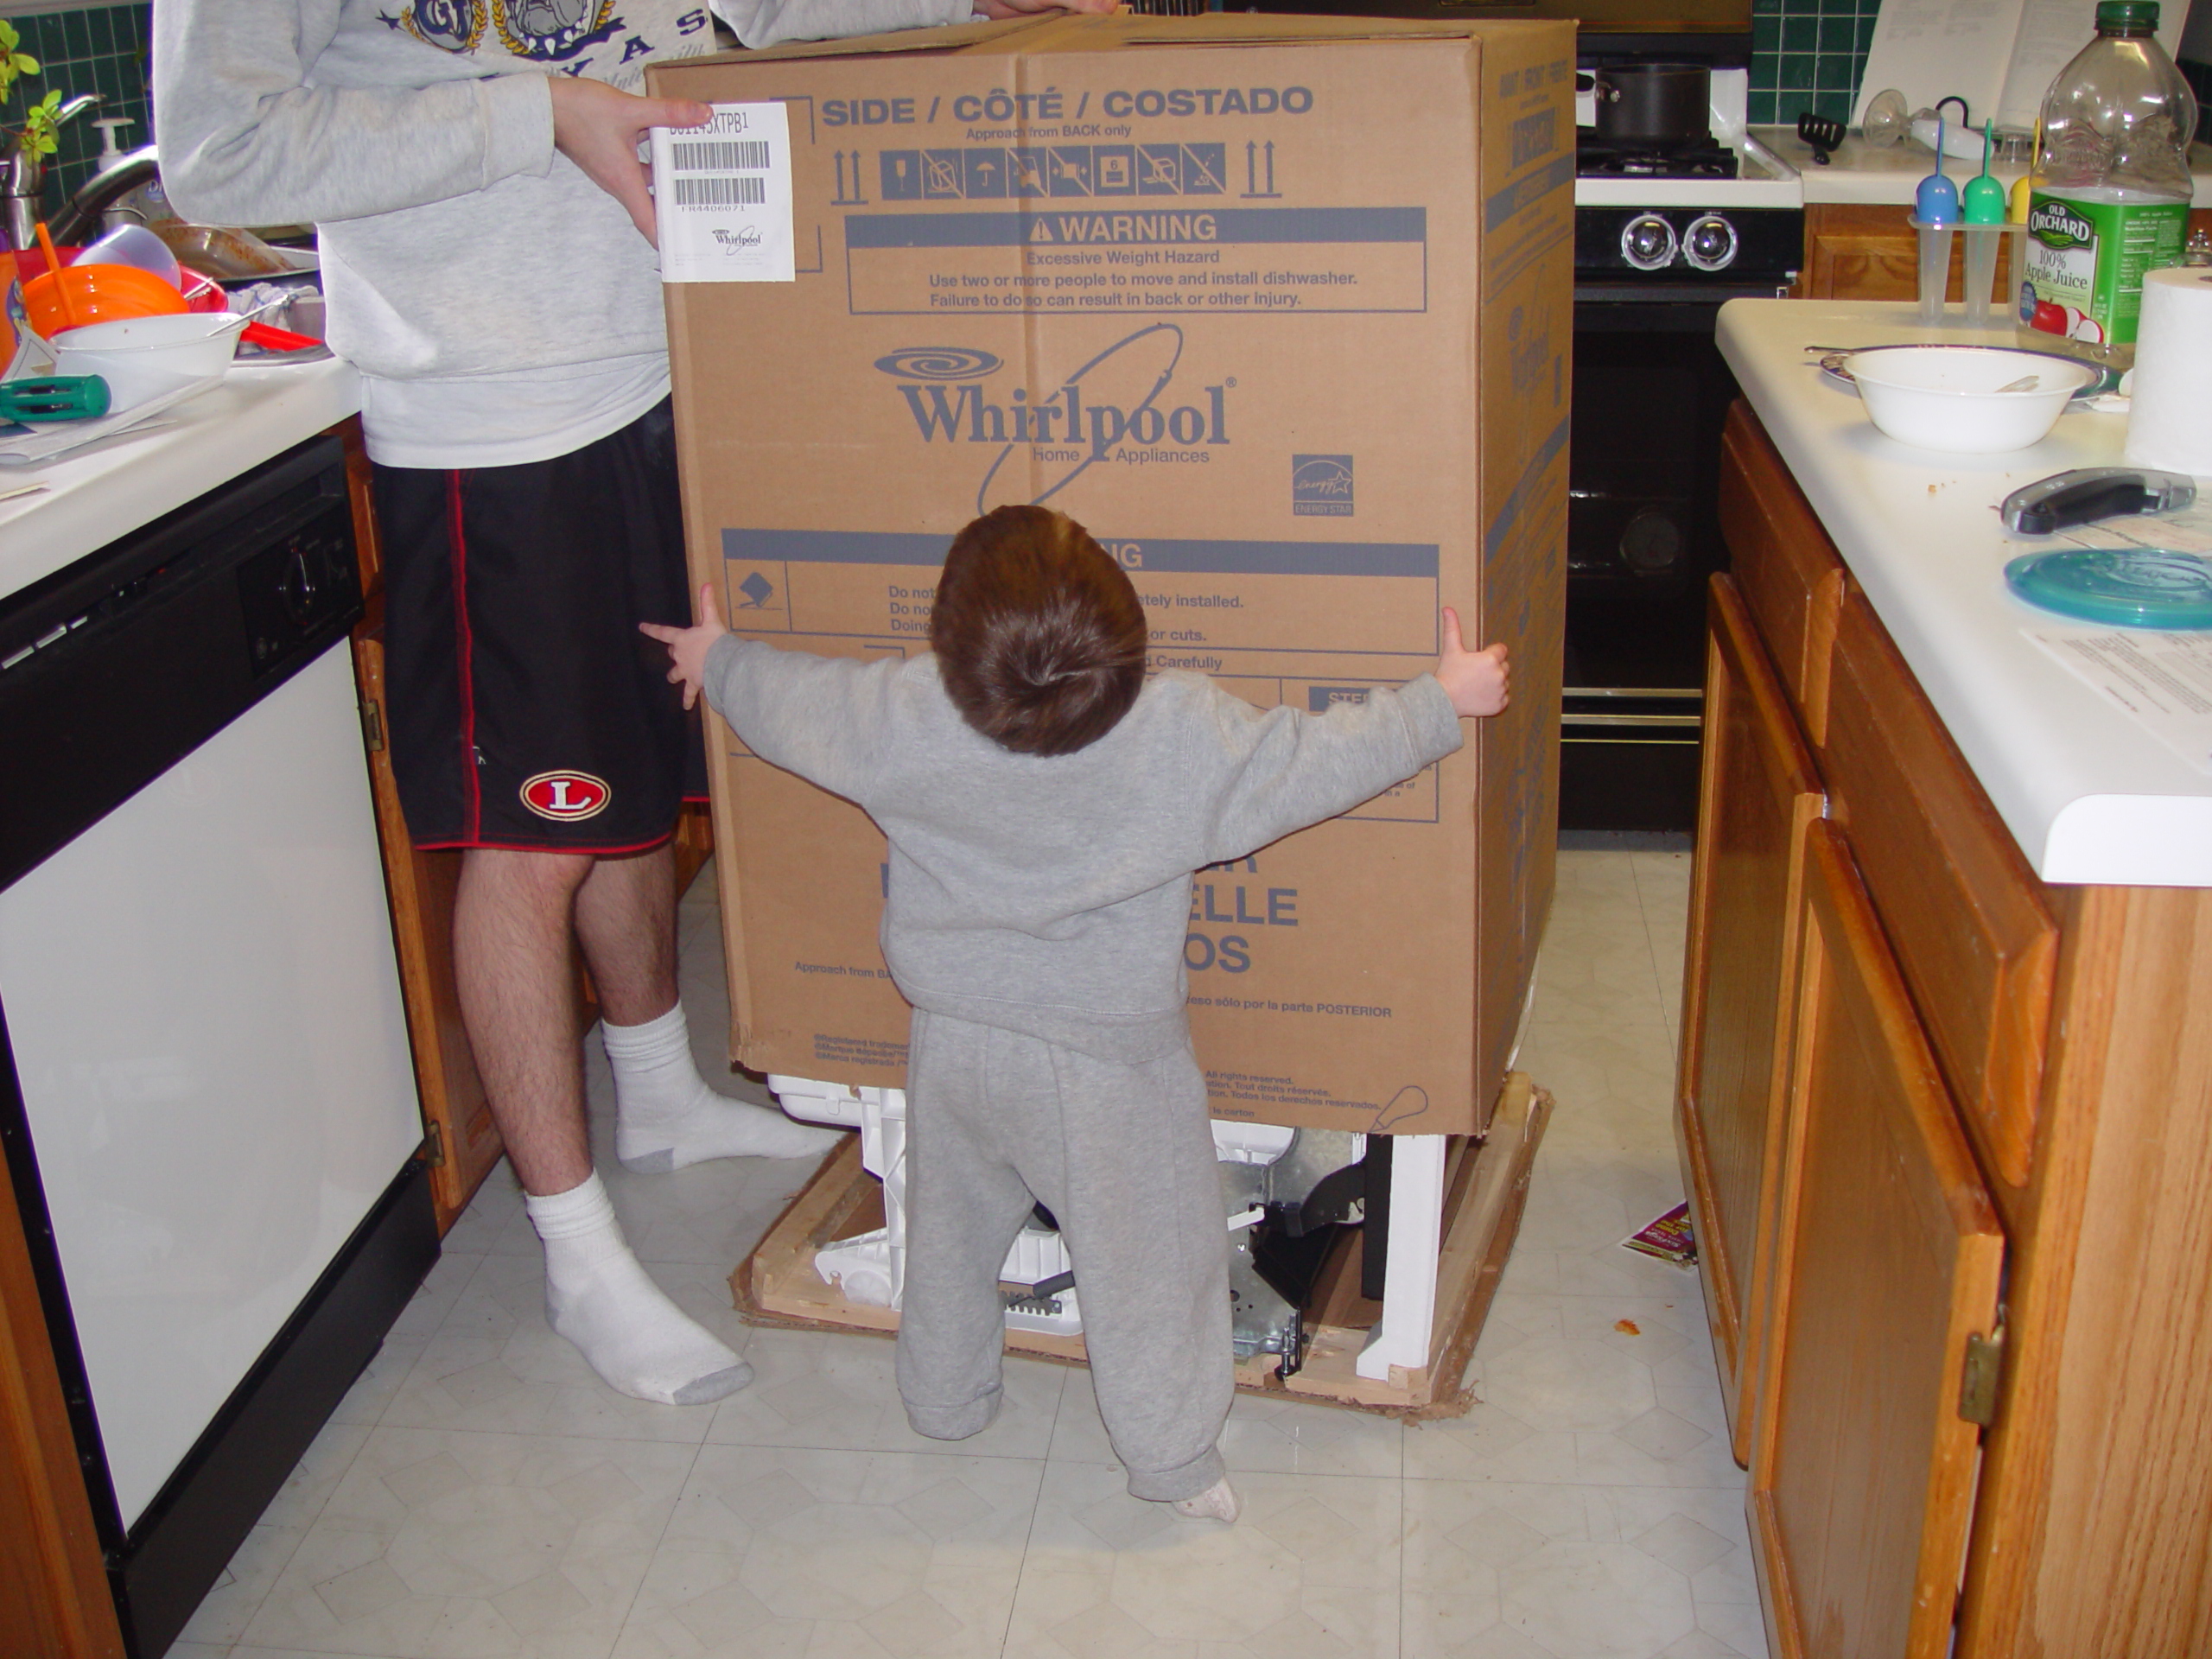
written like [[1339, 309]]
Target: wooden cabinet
[[1760, 793], [1886, 1260], [1955, 1246], [1866, 250]]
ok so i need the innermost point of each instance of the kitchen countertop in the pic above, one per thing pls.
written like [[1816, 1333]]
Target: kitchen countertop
[[112, 487], [1859, 173], [2089, 795]]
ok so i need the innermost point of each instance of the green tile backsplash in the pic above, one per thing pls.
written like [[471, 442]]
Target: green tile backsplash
[[1806, 54], [100, 49]]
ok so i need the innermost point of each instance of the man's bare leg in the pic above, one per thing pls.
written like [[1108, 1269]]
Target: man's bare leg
[[513, 919], [668, 1116], [512, 958]]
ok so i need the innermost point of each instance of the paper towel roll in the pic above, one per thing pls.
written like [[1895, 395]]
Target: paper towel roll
[[2169, 418]]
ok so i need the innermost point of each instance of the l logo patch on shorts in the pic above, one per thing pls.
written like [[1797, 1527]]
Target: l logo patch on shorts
[[566, 796]]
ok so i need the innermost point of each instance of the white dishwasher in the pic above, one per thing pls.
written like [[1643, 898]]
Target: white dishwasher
[[206, 1091]]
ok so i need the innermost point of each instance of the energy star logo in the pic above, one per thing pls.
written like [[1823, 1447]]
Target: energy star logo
[[1115, 409], [1321, 487]]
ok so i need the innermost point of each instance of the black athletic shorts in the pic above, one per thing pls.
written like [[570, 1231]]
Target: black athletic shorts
[[525, 708]]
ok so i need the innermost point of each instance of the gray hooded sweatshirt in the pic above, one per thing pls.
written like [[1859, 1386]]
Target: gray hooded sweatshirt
[[1050, 895]]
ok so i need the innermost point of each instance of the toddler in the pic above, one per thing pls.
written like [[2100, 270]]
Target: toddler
[[1047, 803]]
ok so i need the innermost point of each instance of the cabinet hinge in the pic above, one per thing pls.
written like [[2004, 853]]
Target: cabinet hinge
[[1978, 1381], [434, 1145], [371, 726]]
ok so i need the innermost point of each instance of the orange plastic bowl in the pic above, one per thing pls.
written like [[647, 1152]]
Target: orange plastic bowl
[[97, 294]]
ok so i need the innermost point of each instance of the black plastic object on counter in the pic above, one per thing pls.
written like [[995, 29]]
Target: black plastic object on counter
[[2089, 493], [1822, 135]]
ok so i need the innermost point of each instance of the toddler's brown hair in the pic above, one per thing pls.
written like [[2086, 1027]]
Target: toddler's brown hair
[[1038, 633]]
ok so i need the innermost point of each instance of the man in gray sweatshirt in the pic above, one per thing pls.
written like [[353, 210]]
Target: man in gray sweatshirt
[[486, 237], [1046, 805]]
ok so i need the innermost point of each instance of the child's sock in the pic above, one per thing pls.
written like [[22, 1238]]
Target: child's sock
[[1218, 1503], [599, 1298], [666, 1116]]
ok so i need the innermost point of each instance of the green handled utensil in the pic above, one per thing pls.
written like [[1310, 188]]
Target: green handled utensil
[[53, 398]]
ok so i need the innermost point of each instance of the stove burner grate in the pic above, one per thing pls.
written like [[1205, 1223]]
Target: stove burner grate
[[1703, 160]]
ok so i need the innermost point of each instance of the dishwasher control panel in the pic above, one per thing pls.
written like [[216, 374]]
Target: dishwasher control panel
[[291, 591]]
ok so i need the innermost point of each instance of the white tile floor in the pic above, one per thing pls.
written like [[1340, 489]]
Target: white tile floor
[[480, 1493]]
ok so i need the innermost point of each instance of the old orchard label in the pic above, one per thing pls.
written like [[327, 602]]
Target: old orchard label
[[2085, 260]]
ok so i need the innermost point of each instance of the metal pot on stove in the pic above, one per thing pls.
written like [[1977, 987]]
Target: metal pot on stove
[[1659, 104]]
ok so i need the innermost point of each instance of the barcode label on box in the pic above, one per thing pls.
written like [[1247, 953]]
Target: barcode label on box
[[723, 195], [719, 192], [729, 155]]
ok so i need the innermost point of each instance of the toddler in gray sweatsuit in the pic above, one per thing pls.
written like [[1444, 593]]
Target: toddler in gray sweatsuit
[[1047, 803]]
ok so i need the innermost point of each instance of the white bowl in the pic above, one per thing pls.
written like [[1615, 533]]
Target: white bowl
[[1946, 397], [145, 358]]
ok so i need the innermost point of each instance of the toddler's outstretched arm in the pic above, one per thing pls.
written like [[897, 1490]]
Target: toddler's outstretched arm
[[688, 647], [1479, 683]]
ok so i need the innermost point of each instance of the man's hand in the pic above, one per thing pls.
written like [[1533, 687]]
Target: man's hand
[[1000, 11], [598, 128], [688, 647], [1478, 681]]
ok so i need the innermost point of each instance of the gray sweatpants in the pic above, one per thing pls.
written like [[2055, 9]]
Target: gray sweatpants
[[1124, 1158]]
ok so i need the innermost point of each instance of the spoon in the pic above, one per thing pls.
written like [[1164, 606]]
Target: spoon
[[53, 266], [2026, 383]]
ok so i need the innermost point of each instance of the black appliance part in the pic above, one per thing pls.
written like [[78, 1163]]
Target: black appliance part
[[112, 670], [1660, 104], [2089, 493], [1822, 134]]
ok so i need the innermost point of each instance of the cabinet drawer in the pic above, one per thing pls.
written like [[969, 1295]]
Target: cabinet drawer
[[1972, 936], [1791, 579]]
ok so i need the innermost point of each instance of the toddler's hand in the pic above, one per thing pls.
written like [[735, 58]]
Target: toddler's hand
[[1478, 681], [688, 647]]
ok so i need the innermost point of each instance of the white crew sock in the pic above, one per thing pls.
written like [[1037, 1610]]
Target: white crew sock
[[1218, 1503], [599, 1298], [666, 1116]]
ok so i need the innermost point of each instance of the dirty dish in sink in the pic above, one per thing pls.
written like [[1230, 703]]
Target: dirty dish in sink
[[1973, 400], [96, 294], [144, 357]]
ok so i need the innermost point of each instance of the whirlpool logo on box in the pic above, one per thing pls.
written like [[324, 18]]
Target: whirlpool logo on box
[[1121, 407]]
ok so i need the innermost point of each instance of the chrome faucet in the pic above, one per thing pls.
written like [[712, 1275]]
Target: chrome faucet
[[22, 176]]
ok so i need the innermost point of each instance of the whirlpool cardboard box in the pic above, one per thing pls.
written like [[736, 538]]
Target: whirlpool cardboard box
[[1278, 309]]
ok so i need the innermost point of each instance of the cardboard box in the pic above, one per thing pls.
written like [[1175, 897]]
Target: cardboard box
[[1279, 310]]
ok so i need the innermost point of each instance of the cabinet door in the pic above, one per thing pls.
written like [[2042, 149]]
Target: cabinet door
[[1757, 795], [456, 1110], [1887, 1261]]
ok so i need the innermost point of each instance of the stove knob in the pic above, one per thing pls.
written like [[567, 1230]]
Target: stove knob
[[1710, 243], [1647, 242]]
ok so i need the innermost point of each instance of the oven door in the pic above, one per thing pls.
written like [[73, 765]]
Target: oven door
[[1644, 534]]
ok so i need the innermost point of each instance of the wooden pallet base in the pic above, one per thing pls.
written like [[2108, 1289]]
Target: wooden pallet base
[[1485, 1188]]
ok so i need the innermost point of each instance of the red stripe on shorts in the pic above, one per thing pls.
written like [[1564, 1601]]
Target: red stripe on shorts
[[472, 786]]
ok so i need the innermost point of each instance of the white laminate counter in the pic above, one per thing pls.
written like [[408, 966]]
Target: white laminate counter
[[112, 487], [1860, 173], [2090, 796]]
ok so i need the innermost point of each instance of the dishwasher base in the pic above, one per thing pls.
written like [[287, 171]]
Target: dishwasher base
[[180, 1547]]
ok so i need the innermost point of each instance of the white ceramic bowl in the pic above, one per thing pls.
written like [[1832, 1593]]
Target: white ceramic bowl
[[1946, 397], [145, 358]]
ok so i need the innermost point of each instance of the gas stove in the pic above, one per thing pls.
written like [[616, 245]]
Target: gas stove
[[1722, 216]]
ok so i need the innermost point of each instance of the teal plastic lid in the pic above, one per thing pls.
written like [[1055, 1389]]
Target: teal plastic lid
[[2125, 587]]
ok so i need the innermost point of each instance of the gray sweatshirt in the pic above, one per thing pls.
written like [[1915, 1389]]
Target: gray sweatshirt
[[1051, 895], [418, 135]]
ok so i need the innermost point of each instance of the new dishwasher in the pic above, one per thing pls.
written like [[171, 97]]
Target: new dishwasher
[[207, 1099]]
